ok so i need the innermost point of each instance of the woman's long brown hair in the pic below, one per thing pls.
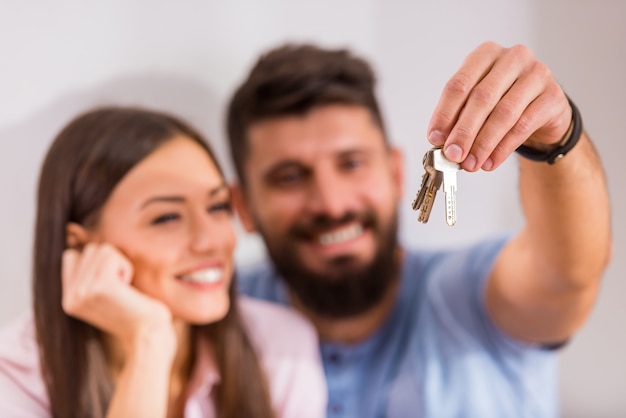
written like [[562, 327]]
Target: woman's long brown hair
[[85, 162]]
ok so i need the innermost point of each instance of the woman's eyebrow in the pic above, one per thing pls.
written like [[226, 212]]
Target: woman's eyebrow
[[218, 189], [181, 199], [175, 199]]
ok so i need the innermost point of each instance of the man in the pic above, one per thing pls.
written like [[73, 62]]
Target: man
[[464, 333]]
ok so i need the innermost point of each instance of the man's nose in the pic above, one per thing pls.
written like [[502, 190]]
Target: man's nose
[[331, 195]]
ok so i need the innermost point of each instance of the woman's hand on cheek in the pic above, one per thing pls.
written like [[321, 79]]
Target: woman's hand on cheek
[[97, 290]]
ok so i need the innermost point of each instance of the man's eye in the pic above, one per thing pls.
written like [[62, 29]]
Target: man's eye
[[352, 163], [168, 217], [221, 207], [287, 178]]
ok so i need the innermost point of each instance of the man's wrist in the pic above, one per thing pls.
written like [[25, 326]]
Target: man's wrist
[[552, 153]]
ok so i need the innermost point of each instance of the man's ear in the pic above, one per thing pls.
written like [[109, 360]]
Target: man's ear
[[240, 204], [76, 236]]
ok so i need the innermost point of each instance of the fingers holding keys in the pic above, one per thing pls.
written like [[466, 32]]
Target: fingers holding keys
[[457, 91], [497, 100], [474, 93], [510, 121]]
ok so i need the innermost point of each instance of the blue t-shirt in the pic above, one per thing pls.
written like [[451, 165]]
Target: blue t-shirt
[[438, 354]]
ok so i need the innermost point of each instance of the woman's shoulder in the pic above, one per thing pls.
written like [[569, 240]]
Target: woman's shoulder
[[18, 342], [288, 350], [22, 391], [278, 329]]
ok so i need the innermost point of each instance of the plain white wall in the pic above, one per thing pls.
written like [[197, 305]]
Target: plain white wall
[[588, 52], [60, 58]]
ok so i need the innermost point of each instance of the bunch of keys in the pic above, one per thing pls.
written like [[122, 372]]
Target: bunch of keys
[[438, 170]]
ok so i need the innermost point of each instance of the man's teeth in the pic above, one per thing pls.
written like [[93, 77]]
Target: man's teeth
[[204, 276], [341, 235]]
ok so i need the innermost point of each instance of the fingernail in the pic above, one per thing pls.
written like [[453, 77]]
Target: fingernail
[[436, 138], [470, 162], [454, 153], [488, 165]]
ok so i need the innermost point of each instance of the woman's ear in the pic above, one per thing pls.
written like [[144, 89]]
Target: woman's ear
[[241, 207], [76, 236]]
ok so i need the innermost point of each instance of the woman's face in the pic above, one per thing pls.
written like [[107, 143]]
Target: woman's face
[[171, 217]]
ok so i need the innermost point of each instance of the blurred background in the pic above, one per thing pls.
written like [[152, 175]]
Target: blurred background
[[60, 58]]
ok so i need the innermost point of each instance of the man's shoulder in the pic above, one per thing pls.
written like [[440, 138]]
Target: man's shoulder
[[428, 254], [473, 260], [262, 282], [452, 296], [449, 287]]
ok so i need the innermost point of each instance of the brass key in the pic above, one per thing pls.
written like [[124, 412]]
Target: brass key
[[437, 170], [431, 181]]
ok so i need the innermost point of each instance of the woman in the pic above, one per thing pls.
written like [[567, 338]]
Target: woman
[[135, 313]]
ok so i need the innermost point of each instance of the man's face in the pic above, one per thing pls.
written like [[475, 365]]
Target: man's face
[[322, 189]]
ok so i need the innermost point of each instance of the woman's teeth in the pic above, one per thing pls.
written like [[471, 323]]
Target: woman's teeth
[[341, 235], [204, 276]]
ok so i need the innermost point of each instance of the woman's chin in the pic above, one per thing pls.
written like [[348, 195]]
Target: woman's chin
[[204, 315]]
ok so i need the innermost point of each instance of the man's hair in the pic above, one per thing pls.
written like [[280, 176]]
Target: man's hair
[[291, 80]]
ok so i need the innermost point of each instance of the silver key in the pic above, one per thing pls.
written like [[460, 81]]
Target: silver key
[[431, 181], [448, 170]]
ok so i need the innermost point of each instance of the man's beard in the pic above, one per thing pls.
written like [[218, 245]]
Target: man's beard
[[347, 288]]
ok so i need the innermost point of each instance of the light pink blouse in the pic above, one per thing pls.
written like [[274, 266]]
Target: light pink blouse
[[285, 342]]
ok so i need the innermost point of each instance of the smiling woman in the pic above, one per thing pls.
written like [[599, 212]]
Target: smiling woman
[[135, 312]]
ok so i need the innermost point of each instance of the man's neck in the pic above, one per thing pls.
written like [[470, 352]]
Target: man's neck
[[357, 328]]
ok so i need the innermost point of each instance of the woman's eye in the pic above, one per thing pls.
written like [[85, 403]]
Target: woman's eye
[[221, 207], [168, 217]]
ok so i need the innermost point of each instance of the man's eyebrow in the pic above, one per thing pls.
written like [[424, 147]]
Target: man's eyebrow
[[356, 151], [181, 199]]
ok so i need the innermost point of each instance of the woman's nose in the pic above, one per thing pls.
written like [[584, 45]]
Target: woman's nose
[[202, 234]]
